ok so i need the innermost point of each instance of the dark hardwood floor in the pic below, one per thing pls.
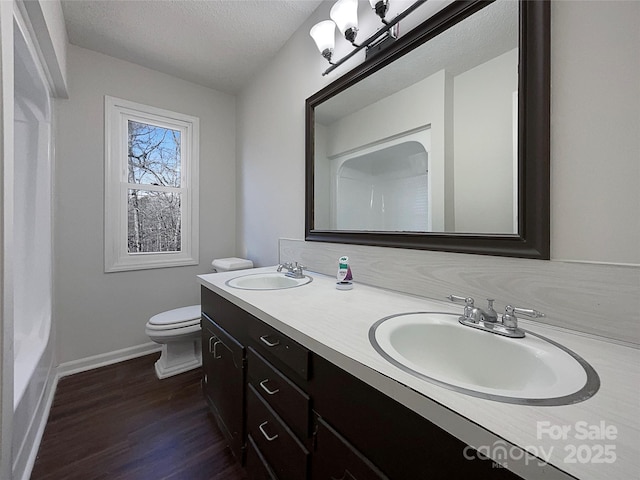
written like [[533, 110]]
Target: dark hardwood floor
[[121, 423]]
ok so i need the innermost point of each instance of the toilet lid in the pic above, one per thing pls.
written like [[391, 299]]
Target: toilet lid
[[173, 326], [177, 316]]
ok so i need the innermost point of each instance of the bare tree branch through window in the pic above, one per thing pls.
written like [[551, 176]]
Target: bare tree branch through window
[[154, 222]]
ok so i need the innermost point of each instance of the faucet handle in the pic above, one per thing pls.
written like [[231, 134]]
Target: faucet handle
[[510, 320], [468, 305], [294, 270], [529, 312], [468, 301]]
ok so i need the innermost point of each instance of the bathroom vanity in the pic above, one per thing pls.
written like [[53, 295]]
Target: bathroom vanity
[[300, 394], [304, 414]]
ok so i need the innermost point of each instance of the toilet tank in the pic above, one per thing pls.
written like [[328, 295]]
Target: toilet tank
[[231, 263]]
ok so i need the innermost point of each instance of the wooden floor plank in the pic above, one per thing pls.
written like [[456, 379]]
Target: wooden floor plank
[[120, 422]]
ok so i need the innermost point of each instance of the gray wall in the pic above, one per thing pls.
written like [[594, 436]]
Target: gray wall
[[594, 140], [97, 312]]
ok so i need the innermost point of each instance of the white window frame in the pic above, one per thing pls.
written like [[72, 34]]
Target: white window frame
[[117, 113]]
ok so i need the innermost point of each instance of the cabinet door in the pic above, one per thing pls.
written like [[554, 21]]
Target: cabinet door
[[223, 359], [334, 458]]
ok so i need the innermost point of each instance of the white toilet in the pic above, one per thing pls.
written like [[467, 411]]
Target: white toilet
[[178, 330]]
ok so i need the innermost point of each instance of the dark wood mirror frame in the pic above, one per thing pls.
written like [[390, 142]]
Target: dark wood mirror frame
[[533, 141]]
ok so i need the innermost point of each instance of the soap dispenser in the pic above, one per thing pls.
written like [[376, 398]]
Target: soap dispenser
[[344, 274]]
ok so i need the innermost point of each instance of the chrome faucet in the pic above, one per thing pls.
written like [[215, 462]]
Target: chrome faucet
[[288, 266], [294, 270], [476, 314], [487, 320]]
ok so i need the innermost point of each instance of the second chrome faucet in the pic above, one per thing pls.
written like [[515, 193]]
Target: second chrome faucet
[[294, 270]]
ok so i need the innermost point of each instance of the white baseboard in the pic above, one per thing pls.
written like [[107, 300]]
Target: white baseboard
[[104, 359]]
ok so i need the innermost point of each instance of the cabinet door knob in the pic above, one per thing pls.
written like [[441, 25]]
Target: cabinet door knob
[[265, 434], [266, 389], [267, 342]]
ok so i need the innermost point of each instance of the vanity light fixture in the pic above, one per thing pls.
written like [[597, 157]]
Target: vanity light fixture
[[381, 7], [344, 15], [323, 34]]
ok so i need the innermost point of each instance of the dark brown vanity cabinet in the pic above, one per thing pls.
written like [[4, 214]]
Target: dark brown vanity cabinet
[[223, 382], [278, 410], [283, 451], [272, 411], [290, 414], [335, 457], [256, 465], [285, 398]]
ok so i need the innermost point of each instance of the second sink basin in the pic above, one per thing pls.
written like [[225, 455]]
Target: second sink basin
[[531, 370], [267, 281]]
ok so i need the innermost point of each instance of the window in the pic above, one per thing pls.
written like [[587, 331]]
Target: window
[[151, 194]]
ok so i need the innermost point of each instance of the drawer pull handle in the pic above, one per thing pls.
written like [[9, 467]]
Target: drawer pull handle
[[266, 435], [347, 476], [267, 342], [264, 387]]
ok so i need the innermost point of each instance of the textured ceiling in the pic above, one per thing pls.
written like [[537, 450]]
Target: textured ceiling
[[220, 44]]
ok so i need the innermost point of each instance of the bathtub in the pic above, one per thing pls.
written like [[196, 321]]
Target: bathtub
[[32, 257], [32, 234]]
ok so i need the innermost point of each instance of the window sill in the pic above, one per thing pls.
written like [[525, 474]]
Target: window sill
[[149, 261]]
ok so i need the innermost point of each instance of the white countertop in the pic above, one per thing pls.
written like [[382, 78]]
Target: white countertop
[[335, 325]]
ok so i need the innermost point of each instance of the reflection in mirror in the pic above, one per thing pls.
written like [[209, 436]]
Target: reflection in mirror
[[473, 79], [382, 188], [455, 98]]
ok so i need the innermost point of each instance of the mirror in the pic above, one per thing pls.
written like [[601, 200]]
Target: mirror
[[440, 142]]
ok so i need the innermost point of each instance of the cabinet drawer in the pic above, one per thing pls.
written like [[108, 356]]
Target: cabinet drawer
[[257, 467], [273, 344], [334, 457], [279, 446], [286, 398]]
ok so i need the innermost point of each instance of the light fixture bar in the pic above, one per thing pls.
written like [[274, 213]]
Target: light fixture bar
[[388, 26]]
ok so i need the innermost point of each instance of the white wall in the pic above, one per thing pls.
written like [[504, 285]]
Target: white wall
[[595, 131], [594, 140], [98, 312], [482, 114], [270, 146]]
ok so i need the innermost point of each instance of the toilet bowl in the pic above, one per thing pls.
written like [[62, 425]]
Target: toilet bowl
[[178, 330]]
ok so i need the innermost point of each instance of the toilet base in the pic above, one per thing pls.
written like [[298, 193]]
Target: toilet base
[[179, 357]]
